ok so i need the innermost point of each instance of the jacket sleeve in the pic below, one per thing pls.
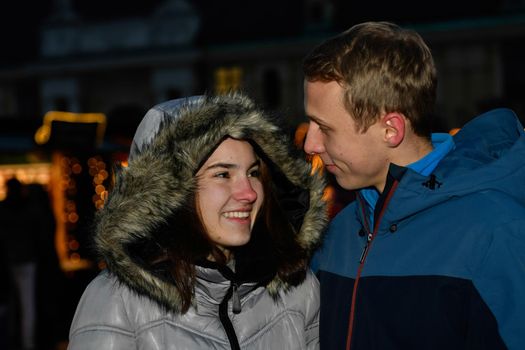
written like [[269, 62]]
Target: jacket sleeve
[[100, 321], [500, 280], [312, 312]]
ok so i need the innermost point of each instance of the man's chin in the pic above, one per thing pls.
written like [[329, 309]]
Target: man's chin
[[345, 183]]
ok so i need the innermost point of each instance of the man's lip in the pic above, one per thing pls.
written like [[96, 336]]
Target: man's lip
[[330, 167]]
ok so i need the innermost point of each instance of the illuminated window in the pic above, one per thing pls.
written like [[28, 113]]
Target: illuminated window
[[227, 79], [26, 173]]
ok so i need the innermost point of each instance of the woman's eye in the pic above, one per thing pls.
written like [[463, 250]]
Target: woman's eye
[[254, 173], [223, 175]]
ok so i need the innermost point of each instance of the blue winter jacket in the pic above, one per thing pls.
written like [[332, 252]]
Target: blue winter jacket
[[444, 266]]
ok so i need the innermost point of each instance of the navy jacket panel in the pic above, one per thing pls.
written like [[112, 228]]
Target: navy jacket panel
[[446, 268]]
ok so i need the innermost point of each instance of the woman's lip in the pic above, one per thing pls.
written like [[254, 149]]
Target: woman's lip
[[230, 214], [243, 221], [238, 210]]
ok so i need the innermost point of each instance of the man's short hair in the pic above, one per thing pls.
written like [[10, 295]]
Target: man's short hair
[[382, 68]]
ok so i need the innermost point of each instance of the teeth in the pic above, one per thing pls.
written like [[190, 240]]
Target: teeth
[[237, 214]]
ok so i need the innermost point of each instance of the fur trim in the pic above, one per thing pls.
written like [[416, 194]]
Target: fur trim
[[161, 176]]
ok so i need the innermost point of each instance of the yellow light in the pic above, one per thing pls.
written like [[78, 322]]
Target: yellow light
[[25, 173], [227, 79], [43, 133]]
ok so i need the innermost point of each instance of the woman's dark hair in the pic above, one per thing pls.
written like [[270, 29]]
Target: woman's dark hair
[[191, 243], [185, 242], [291, 257]]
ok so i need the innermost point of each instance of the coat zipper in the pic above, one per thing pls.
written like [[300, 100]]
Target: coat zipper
[[236, 300], [366, 249], [223, 314]]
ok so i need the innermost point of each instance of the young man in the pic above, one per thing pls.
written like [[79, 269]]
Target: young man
[[431, 255]]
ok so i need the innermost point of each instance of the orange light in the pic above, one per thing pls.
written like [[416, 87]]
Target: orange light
[[74, 245], [99, 189], [454, 131], [76, 168], [72, 217], [300, 134], [75, 257]]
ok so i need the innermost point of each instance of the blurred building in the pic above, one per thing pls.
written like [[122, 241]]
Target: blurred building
[[119, 58], [66, 60]]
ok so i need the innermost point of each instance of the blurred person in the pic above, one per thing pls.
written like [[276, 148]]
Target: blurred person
[[20, 244], [207, 236], [431, 254], [4, 298], [50, 280]]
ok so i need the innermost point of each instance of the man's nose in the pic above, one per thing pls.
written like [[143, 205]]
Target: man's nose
[[313, 141]]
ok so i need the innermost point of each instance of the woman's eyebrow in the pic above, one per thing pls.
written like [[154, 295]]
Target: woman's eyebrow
[[221, 165], [231, 165]]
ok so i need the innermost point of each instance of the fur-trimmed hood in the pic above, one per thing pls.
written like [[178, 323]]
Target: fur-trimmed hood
[[170, 144]]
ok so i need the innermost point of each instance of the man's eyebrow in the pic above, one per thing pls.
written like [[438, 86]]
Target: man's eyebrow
[[312, 117], [316, 120]]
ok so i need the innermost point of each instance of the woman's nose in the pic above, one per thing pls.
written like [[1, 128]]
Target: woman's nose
[[244, 191]]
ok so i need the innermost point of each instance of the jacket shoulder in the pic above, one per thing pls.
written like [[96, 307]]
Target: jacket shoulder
[[306, 293], [101, 319], [339, 236]]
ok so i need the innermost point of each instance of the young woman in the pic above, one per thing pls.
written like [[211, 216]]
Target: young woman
[[207, 236]]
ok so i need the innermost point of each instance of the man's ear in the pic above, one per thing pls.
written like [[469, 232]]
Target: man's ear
[[394, 125]]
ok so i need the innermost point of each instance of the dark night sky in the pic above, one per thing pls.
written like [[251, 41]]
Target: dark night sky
[[18, 23], [226, 20], [221, 20]]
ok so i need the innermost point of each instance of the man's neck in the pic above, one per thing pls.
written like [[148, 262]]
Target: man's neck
[[412, 149], [409, 151]]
